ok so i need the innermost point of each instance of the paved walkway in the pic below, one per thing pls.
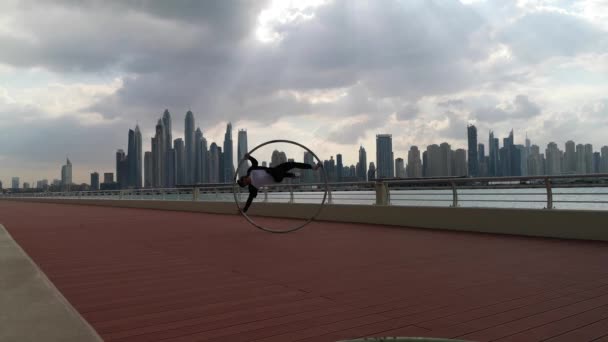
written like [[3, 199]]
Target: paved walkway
[[31, 308], [144, 275]]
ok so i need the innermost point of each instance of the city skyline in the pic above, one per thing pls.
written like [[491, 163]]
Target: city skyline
[[536, 67], [513, 159]]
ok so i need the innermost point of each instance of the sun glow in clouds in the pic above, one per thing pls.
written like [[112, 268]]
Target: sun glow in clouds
[[281, 12]]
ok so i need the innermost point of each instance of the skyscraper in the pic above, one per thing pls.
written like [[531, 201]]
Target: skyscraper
[[15, 183], [580, 159], [570, 158], [228, 155], [171, 168], [459, 162], [168, 131], [199, 156], [242, 150], [94, 181], [414, 163], [400, 168], [553, 162], [148, 170], [362, 171], [371, 172], [180, 159], [168, 155], [131, 160], [214, 163], [138, 158], [446, 159], [494, 152], [189, 142], [108, 177], [536, 162], [339, 168], [159, 156], [588, 158], [522, 160], [473, 158], [155, 163], [122, 169], [384, 156], [66, 175], [204, 160], [433, 161], [308, 175], [597, 159], [604, 160]]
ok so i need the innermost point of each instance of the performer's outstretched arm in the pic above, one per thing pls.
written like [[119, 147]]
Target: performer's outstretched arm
[[253, 192]]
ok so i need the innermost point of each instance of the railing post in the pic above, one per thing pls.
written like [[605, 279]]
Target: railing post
[[549, 193], [265, 194], [120, 194], [195, 194], [381, 193], [454, 196], [162, 194], [330, 199], [291, 198]]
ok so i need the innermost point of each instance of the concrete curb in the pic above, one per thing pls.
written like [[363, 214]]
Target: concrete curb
[[33, 309]]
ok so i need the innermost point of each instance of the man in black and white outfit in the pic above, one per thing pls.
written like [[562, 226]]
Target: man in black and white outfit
[[259, 176]]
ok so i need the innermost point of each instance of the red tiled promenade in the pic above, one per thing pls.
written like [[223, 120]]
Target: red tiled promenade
[[145, 275]]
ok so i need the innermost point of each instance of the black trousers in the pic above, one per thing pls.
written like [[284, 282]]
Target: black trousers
[[282, 170]]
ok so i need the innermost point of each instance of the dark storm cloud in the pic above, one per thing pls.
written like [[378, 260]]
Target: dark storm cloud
[[394, 49], [382, 56]]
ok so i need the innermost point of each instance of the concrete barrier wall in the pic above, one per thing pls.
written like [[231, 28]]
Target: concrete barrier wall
[[568, 224]]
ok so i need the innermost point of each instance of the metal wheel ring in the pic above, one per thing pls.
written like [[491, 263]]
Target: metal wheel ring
[[270, 230]]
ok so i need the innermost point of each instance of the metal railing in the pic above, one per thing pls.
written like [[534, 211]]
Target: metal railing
[[548, 192]]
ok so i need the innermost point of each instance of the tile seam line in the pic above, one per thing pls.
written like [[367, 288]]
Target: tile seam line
[[50, 284]]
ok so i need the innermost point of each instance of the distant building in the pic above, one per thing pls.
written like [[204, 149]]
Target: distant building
[[597, 160], [432, 161], [228, 159], [339, 168], [189, 148], [108, 177], [445, 151], [553, 159], [493, 157], [604, 160], [362, 164], [570, 158], [581, 166], [26, 185], [214, 163], [589, 158], [66, 175], [242, 149], [148, 170], [400, 168], [307, 175], [180, 161], [384, 156], [371, 172], [459, 162], [94, 181], [414, 163], [473, 157], [15, 183]]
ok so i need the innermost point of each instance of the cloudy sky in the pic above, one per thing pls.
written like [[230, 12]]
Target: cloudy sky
[[76, 75]]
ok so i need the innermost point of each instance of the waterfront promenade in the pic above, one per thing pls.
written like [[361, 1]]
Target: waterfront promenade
[[151, 275]]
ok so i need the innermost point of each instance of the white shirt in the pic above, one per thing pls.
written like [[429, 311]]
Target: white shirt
[[261, 178]]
